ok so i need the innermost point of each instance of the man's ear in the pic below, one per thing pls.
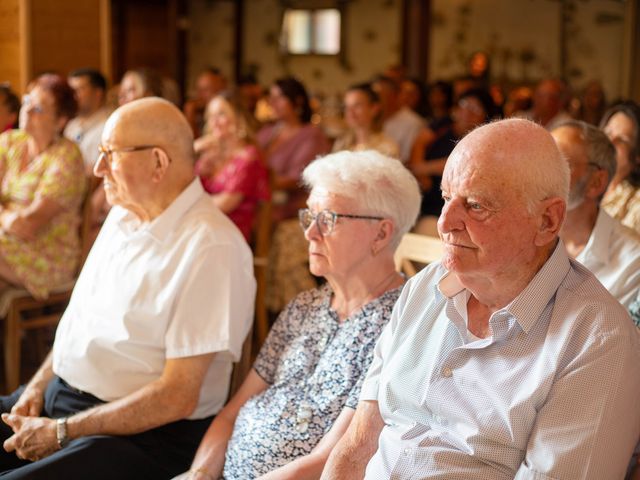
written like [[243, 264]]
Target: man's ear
[[162, 161], [552, 213], [597, 185]]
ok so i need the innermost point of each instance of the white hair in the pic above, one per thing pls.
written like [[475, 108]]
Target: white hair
[[379, 184]]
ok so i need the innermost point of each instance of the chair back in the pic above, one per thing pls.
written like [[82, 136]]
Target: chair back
[[417, 249]]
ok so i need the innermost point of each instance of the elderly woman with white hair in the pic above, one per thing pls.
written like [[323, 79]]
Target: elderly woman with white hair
[[300, 396]]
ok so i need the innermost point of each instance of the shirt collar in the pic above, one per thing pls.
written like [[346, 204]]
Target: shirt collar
[[529, 304], [598, 244], [161, 226]]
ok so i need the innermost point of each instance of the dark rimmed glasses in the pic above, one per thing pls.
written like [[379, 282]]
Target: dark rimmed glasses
[[107, 153], [326, 219]]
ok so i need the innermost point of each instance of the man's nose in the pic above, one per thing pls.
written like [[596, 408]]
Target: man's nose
[[100, 166], [451, 217]]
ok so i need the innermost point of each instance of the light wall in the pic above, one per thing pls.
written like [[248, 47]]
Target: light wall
[[513, 30], [372, 43], [509, 29]]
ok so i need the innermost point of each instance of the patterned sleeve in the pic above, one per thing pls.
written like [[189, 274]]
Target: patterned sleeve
[[282, 333], [63, 180], [354, 394], [380, 318]]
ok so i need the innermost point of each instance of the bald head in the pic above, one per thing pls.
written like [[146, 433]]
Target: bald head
[[154, 121], [520, 155], [151, 156]]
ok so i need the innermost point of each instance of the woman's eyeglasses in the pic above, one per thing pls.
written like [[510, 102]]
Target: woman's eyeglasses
[[326, 219]]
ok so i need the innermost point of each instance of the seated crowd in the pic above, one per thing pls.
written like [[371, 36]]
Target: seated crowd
[[512, 357]]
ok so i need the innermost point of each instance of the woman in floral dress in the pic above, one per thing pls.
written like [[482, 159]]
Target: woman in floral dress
[[42, 185], [301, 394]]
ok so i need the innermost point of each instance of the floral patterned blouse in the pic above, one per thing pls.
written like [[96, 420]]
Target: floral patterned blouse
[[315, 367], [58, 174]]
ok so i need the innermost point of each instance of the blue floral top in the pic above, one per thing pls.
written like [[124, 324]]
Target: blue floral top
[[315, 367]]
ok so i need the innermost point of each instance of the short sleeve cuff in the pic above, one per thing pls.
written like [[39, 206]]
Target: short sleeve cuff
[[526, 473], [369, 390]]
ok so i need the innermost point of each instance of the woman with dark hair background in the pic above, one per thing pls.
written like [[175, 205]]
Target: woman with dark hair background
[[289, 145], [474, 107]]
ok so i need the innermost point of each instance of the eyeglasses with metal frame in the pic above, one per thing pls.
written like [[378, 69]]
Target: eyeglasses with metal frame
[[326, 219]]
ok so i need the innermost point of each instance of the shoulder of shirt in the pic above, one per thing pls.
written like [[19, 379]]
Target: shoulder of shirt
[[205, 220], [581, 292], [422, 286]]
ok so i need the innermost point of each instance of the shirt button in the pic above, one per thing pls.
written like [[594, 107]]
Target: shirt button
[[406, 452], [446, 372]]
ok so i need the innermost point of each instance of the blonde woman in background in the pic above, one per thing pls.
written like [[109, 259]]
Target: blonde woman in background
[[230, 165]]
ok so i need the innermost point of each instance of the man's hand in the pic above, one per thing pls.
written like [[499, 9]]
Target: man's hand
[[33, 437], [30, 402]]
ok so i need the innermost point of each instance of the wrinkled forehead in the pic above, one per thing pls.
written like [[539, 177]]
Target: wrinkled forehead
[[483, 173]]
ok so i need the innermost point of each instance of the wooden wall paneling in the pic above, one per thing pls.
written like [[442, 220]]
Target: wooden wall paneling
[[64, 35], [10, 44]]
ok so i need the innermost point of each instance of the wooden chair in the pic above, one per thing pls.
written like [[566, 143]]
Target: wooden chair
[[21, 312], [415, 248], [262, 244], [241, 367], [258, 333]]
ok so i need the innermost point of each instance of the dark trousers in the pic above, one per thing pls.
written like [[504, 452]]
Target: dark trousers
[[159, 453]]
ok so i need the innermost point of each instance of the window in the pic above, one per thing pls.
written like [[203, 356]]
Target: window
[[307, 32]]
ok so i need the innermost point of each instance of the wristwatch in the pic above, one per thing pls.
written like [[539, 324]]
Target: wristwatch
[[61, 432]]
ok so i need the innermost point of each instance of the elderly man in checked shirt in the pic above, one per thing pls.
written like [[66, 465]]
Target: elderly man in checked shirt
[[508, 359]]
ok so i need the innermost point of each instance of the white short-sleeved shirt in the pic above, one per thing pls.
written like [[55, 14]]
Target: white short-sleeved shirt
[[403, 127], [553, 392], [613, 256], [179, 286]]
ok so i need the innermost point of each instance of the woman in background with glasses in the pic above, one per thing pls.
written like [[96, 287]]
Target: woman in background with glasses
[[42, 185], [301, 394]]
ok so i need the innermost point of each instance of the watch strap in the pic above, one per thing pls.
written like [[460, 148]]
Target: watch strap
[[61, 432]]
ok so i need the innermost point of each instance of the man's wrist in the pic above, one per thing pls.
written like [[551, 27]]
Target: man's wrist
[[201, 473]]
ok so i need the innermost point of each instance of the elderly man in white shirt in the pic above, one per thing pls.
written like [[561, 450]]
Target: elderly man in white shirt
[[143, 354], [602, 244], [508, 359]]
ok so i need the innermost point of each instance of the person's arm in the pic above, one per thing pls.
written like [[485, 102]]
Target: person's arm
[[349, 458], [210, 454], [309, 467], [26, 222], [589, 423], [31, 400], [171, 397]]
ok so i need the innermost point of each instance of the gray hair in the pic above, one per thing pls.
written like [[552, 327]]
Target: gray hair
[[600, 150], [380, 184]]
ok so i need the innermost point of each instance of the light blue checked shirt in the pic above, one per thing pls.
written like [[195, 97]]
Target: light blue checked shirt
[[552, 393]]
